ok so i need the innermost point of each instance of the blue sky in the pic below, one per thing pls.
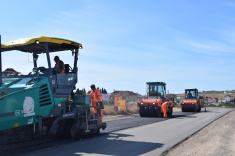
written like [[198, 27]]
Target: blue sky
[[187, 44]]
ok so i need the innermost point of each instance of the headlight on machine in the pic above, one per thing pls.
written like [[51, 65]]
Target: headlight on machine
[[193, 103], [153, 103], [141, 103]]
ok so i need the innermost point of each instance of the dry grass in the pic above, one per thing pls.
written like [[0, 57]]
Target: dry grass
[[109, 110], [132, 107]]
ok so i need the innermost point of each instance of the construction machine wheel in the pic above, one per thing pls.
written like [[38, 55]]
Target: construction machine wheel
[[169, 113], [146, 111], [151, 111], [141, 111], [182, 108], [188, 108], [159, 112], [155, 111]]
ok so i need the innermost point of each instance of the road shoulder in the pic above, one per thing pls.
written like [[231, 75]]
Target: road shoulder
[[215, 139]]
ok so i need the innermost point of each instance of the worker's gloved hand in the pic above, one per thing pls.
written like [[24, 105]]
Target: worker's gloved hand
[[100, 104]]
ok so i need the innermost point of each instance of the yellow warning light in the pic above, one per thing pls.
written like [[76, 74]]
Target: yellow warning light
[[44, 127], [16, 125]]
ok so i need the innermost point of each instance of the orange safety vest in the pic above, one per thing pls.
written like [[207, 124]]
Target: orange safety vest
[[165, 108], [96, 96], [57, 65]]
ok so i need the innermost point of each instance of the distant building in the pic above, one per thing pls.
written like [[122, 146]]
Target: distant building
[[210, 101], [221, 101], [228, 98], [127, 95], [10, 72]]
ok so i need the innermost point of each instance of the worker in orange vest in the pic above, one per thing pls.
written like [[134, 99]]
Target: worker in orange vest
[[59, 66], [96, 97], [165, 106]]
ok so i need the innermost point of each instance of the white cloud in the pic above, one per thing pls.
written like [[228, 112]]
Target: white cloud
[[208, 47]]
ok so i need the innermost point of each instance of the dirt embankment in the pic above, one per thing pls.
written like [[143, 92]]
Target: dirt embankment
[[217, 139]]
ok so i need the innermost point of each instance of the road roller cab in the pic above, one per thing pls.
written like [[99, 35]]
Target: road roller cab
[[156, 96], [191, 103]]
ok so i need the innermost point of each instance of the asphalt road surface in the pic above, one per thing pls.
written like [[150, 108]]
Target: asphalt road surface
[[137, 136], [120, 124]]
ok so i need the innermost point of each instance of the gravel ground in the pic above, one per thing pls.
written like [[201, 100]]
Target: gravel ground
[[217, 139]]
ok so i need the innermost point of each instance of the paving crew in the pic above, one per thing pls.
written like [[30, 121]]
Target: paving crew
[[165, 106], [95, 99], [59, 66]]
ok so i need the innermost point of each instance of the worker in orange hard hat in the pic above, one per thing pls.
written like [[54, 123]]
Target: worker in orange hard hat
[[96, 98], [165, 106], [59, 66]]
